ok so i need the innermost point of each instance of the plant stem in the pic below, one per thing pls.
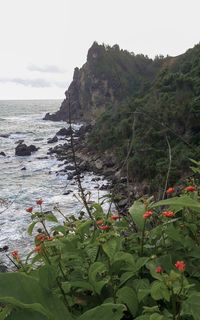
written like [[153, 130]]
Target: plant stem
[[142, 242]]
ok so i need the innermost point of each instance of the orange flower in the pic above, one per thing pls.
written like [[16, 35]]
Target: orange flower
[[38, 249], [29, 209], [147, 214], [115, 216], [168, 214], [104, 227], [99, 222], [41, 237], [180, 266], [158, 269], [39, 201], [79, 300], [170, 190], [50, 238], [188, 189]]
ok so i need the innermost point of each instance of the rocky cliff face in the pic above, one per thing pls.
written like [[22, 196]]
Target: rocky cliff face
[[109, 75]]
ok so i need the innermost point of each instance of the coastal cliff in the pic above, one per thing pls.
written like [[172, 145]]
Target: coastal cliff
[[109, 75]]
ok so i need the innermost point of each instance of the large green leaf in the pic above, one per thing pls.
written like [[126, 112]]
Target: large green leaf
[[5, 311], [111, 247], [26, 315], [183, 201], [47, 276], [105, 311], [128, 296], [26, 292], [137, 210], [191, 306], [98, 270], [159, 291]]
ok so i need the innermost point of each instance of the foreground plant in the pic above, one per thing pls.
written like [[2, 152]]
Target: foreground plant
[[100, 268]]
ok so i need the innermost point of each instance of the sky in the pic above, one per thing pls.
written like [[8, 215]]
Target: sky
[[42, 41]]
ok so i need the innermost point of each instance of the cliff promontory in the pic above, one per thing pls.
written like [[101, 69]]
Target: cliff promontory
[[109, 76]]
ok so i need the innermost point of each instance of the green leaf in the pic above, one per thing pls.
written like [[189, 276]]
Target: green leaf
[[82, 284], [125, 277], [142, 293], [191, 306], [60, 229], [25, 292], [111, 247], [105, 311], [30, 228], [137, 210], [50, 217], [98, 270], [26, 315], [66, 286], [47, 276], [128, 296], [84, 227], [173, 234], [156, 316], [159, 291], [5, 311], [183, 201]]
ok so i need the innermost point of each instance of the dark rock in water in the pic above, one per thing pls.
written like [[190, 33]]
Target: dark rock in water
[[24, 168], [23, 150], [70, 167], [2, 154], [5, 249], [123, 202], [19, 141], [4, 135], [42, 158], [64, 132], [53, 140], [38, 139], [33, 148], [67, 192]]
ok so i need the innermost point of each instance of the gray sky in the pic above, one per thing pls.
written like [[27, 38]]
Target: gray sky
[[42, 41]]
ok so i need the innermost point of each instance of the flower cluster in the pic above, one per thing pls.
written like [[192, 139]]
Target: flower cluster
[[147, 214], [15, 255], [30, 209], [168, 214], [170, 190], [42, 237], [158, 269], [188, 189], [180, 266]]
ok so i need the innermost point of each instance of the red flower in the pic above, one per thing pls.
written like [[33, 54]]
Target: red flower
[[158, 269], [168, 214], [50, 238], [115, 216], [14, 253], [198, 197], [104, 227], [41, 237], [29, 209], [170, 190], [39, 201], [38, 249], [188, 189], [147, 214], [100, 222], [180, 265]]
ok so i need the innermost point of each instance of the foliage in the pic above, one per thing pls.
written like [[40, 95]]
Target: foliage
[[165, 105], [100, 268]]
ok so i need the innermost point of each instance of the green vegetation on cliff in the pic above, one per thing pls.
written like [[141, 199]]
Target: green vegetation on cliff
[[161, 109]]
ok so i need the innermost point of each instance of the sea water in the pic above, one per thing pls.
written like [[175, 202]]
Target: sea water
[[24, 180]]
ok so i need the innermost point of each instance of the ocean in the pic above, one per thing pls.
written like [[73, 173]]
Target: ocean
[[24, 180]]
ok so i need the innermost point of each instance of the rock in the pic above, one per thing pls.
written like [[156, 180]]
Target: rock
[[19, 141], [4, 135], [24, 168], [42, 158], [3, 268], [67, 192], [98, 164], [23, 150], [122, 203], [2, 154], [64, 132], [70, 167], [53, 140]]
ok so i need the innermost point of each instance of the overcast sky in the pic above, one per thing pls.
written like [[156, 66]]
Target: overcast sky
[[42, 41]]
